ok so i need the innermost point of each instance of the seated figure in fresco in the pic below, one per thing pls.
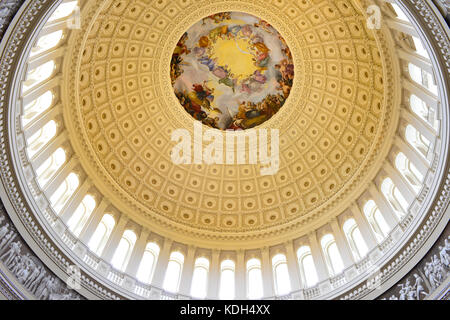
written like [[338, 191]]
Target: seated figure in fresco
[[264, 25], [285, 77], [210, 63], [204, 93], [218, 32], [175, 64], [234, 31], [262, 57]]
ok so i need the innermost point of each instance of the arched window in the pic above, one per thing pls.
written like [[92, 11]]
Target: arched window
[[60, 197], [81, 214], [376, 220], [420, 108], [399, 12], [47, 170], [148, 263], [394, 197], [254, 279], [355, 239], [307, 268], [101, 234], [408, 171], [281, 275], [331, 253], [227, 270], [422, 77], [173, 272], [417, 140], [38, 75], [37, 107], [63, 10], [199, 285], [420, 49], [41, 138], [124, 249], [47, 42]]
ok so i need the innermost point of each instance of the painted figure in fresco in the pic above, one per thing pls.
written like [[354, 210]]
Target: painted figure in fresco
[[259, 77], [228, 82], [210, 63], [203, 92], [218, 17], [234, 31], [262, 57], [246, 31], [220, 72]]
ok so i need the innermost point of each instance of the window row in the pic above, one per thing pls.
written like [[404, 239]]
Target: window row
[[79, 218]]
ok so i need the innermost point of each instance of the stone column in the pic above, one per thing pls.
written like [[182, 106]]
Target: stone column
[[114, 239], [342, 244], [402, 26], [419, 162], [415, 58], [59, 24], [74, 201], [364, 227], [317, 255], [400, 183], [37, 123], [267, 273], [423, 127], [293, 267], [45, 57], [240, 288], [42, 155], [384, 207], [161, 264], [39, 90], [188, 272], [137, 254], [214, 276], [61, 175], [93, 221], [420, 91]]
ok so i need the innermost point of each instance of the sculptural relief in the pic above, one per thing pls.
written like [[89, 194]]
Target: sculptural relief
[[28, 269], [426, 278]]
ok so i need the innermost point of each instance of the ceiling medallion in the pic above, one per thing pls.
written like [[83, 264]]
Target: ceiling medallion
[[232, 70]]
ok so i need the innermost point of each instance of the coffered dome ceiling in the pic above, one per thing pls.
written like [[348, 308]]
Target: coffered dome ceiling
[[335, 126]]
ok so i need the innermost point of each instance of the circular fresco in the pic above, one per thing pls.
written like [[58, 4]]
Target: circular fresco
[[232, 71]]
